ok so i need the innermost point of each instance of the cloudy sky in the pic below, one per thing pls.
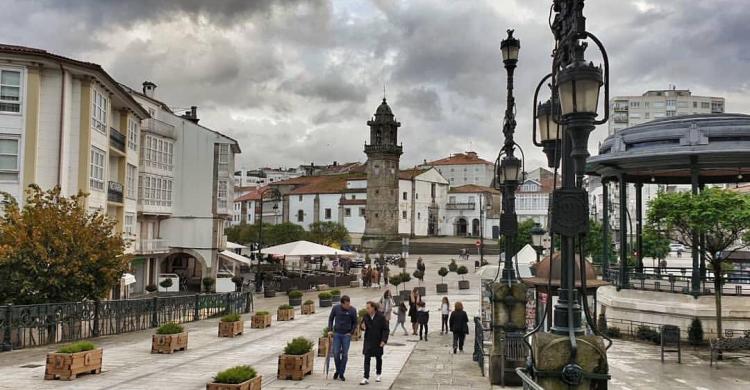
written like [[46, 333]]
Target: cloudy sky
[[295, 81]]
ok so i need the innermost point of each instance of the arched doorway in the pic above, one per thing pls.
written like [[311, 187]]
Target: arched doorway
[[188, 267], [475, 227], [461, 227]]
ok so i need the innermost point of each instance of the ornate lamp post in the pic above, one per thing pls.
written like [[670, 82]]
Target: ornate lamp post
[[537, 238], [582, 363], [274, 195]]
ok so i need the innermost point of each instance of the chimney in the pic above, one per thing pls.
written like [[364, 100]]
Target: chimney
[[149, 89], [192, 115]]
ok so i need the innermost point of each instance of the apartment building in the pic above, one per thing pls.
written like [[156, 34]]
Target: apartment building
[[532, 200], [473, 211], [185, 192], [629, 111], [464, 168], [264, 176]]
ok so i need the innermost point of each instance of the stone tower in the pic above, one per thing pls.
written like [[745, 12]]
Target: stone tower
[[383, 154]]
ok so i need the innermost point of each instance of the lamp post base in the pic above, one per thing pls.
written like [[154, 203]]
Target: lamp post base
[[555, 371], [508, 316]]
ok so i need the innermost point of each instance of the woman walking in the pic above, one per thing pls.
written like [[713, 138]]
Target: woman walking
[[386, 305], [400, 318], [445, 311], [414, 299], [459, 325], [423, 317]]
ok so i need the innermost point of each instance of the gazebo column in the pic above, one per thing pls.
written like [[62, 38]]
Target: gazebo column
[[624, 280], [605, 230], [639, 224], [695, 279], [702, 242]]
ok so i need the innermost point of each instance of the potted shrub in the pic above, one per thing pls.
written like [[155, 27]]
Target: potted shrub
[[368, 260], [324, 299], [419, 274], [71, 360], [166, 283], [231, 325], [308, 307], [462, 284], [238, 280], [295, 297], [396, 280], [453, 267], [335, 295], [208, 284], [297, 359], [404, 277], [357, 334], [268, 287], [151, 288], [324, 342], [261, 319], [285, 313], [169, 337], [442, 287], [236, 378], [695, 332]]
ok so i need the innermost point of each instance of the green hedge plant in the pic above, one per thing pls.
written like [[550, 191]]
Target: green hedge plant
[[462, 270], [324, 295], [298, 346], [325, 331], [170, 328], [261, 313], [234, 317], [235, 375], [295, 294], [285, 306], [308, 302], [335, 292], [695, 332], [76, 347], [166, 283], [443, 272]]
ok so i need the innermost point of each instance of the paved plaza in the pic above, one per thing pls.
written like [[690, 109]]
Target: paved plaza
[[408, 363]]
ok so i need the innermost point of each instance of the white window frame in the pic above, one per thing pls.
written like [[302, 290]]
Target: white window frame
[[130, 174], [221, 194], [99, 111], [97, 169], [128, 225], [19, 102], [223, 158], [16, 171], [133, 134]]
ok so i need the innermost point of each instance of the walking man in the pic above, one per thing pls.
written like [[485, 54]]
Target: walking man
[[376, 335], [342, 321]]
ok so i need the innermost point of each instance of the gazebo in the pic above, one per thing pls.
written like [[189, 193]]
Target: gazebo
[[691, 149]]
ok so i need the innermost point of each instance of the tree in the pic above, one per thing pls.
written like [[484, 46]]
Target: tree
[[523, 236], [452, 267], [722, 216], [53, 250], [462, 270], [283, 233], [442, 272], [328, 233], [419, 274], [655, 244], [593, 246]]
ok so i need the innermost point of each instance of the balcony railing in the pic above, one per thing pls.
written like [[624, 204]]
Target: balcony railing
[[460, 206], [156, 126], [157, 245], [116, 139], [114, 192], [395, 149]]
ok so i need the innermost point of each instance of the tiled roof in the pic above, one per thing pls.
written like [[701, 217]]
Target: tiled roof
[[472, 189], [326, 184], [467, 158], [408, 174], [252, 195]]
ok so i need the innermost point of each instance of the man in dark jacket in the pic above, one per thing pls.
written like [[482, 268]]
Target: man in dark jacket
[[376, 335], [342, 321]]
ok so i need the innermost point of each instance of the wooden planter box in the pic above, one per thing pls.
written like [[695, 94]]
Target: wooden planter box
[[441, 288], [252, 384], [323, 344], [405, 294], [260, 322], [463, 284], [295, 367], [308, 309], [354, 283], [168, 343], [357, 334], [231, 329], [269, 293], [285, 314], [67, 366]]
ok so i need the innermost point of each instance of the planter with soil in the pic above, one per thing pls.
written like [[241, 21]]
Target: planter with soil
[[169, 338], [72, 360], [231, 325]]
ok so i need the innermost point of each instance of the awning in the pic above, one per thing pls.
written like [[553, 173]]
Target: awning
[[235, 257], [234, 245], [304, 248], [128, 278]]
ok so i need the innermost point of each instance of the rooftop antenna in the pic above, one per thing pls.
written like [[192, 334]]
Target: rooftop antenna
[[383, 90]]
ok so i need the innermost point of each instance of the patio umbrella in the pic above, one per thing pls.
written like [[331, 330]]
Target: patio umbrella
[[304, 248]]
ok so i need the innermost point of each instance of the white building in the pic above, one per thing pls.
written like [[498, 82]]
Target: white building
[[472, 211], [464, 168], [532, 200], [264, 176], [185, 193], [629, 111]]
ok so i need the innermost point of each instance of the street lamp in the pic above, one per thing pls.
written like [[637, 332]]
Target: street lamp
[[537, 238], [274, 195]]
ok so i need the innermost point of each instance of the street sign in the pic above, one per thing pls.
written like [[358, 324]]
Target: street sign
[[478, 243]]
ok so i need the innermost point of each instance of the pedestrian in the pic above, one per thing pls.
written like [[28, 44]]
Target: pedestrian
[[459, 325], [420, 264], [423, 318], [342, 321], [445, 311], [400, 318], [414, 299], [376, 336], [386, 271], [385, 305]]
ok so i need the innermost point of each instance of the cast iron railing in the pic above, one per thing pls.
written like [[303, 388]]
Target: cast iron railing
[[630, 328], [114, 191], [677, 280], [24, 326], [528, 383], [460, 206], [479, 343], [116, 139]]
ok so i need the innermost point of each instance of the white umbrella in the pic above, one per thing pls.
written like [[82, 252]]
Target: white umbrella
[[304, 248]]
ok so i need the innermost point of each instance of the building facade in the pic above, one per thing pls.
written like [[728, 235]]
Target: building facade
[[464, 169], [532, 200], [264, 176], [629, 111], [473, 211]]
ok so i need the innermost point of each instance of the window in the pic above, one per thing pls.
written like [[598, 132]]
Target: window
[[635, 104], [300, 198], [300, 216], [705, 105], [452, 199], [128, 227], [671, 103], [361, 211], [221, 194], [647, 115], [130, 176], [419, 215], [405, 195], [646, 104], [99, 112], [432, 190], [416, 195], [347, 212], [328, 213], [671, 113], [155, 190], [223, 157], [96, 175], [471, 199], [8, 158], [695, 104], [132, 134], [403, 214], [10, 91]]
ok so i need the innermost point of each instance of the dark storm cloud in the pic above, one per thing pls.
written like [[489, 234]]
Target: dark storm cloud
[[295, 81]]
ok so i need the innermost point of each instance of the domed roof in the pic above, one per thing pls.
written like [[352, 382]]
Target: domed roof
[[543, 268], [383, 109]]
